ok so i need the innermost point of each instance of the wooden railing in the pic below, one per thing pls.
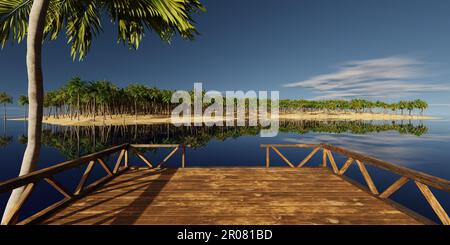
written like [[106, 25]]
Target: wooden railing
[[422, 180], [28, 182]]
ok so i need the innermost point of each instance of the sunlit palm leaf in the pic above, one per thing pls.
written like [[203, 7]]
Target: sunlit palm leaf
[[82, 20], [14, 19]]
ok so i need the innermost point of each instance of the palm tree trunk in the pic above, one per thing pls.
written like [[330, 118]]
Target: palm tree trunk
[[35, 95], [135, 109], [78, 107]]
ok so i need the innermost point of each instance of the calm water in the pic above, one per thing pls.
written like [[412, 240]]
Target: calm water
[[422, 146]]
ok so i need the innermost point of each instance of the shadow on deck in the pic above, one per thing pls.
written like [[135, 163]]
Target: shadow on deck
[[230, 196]]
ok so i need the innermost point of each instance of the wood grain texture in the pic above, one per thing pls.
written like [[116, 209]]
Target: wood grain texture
[[332, 162], [230, 196], [367, 177], [283, 157], [394, 187], [434, 203], [60, 188], [346, 166], [307, 158], [40, 174], [432, 181], [11, 218]]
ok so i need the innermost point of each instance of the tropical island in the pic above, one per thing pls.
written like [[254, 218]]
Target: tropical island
[[81, 103]]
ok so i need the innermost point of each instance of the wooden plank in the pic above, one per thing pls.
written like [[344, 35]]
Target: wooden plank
[[307, 158], [60, 188], [266, 219], [183, 157], [104, 166], [346, 166], [154, 145], [303, 196], [290, 145], [434, 203], [332, 162], [126, 158], [283, 157], [142, 157], [119, 161], [11, 217], [367, 177], [45, 213], [52, 170], [421, 219], [84, 178], [394, 187], [427, 179]]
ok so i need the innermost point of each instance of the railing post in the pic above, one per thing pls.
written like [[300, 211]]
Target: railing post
[[183, 156], [267, 157], [126, 157], [324, 158], [11, 218]]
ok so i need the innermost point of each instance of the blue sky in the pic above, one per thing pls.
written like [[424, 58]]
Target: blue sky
[[388, 49]]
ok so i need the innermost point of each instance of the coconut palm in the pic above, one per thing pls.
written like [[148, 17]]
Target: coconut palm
[[75, 88], [5, 99], [5, 140], [45, 19], [137, 92], [23, 101]]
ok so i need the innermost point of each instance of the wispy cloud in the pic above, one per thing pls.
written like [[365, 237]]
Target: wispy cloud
[[389, 77]]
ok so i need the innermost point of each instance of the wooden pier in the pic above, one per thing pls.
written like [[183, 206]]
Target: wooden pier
[[295, 194]]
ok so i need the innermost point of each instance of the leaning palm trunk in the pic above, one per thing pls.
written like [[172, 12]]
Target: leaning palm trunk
[[35, 95]]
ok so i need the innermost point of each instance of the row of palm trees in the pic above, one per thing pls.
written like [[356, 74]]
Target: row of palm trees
[[355, 105], [5, 99], [73, 142], [79, 98]]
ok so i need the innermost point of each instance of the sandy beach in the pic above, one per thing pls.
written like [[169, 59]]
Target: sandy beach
[[164, 119]]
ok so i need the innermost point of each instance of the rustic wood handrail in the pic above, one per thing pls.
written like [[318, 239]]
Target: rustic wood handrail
[[52, 170], [29, 181], [421, 180], [436, 182]]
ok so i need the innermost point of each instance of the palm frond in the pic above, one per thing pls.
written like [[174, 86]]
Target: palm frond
[[165, 17], [81, 20], [83, 23], [14, 19]]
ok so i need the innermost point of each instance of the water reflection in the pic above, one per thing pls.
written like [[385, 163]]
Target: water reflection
[[5, 140], [73, 142]]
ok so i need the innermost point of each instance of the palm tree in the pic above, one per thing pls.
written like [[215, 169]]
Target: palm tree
[[137, 92], [75, 88], [82, 21], [5, 140], [23, 101], [5, 99]]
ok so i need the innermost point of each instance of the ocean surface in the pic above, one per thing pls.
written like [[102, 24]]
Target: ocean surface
[[419, 145]]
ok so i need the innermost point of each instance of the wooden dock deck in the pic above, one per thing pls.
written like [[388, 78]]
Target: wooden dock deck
[[230, 196], [295, 194]]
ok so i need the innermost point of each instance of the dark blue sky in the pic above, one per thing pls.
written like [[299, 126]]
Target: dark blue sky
[[265, 44]]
